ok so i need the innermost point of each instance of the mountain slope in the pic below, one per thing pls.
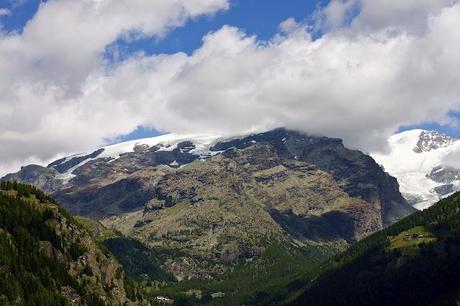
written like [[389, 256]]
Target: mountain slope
[[46, 258], [220, 213], [413, 262], [419, 160], [225, 209]]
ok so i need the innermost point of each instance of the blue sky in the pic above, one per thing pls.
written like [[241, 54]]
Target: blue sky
[[248, 15], [21, 12], [451, 130]]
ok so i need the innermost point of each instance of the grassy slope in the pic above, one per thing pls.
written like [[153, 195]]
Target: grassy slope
[[386, 269], [408, 242]]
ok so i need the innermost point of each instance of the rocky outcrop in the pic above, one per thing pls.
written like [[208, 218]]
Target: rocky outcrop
[[43, 178], [63, 165], [444, 175], [432, 140]]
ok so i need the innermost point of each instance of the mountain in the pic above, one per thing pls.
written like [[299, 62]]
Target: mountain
[[47, 258], [115, 179], [419, 159], [217, 215], [127, 170], [413, 262]]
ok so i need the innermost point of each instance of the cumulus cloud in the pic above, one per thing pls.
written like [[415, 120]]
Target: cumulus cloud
[[64, 41], [46, 71], [335, 14], [346, 84], [4, 12], [452, 158], [288, 26], [370, 15], [370, 73]]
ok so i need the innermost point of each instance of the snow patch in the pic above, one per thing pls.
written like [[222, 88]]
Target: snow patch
[[168, 142], [174, 164]]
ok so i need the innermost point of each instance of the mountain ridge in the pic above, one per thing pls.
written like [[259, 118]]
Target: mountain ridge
[[175, 152]]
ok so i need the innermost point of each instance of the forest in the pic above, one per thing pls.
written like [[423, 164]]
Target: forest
[[27, 275], [386, 270]]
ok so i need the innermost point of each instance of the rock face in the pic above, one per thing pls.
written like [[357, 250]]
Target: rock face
[[43, 178], [432, 140], [444, 175], [356, 173], [76, 270], [223, 208], [226, 202]]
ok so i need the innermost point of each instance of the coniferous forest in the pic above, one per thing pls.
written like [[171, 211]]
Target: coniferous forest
[[27, 274], [414, 262], [40, 244]]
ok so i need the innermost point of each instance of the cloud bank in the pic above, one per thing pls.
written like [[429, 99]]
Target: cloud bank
[[378, 65]]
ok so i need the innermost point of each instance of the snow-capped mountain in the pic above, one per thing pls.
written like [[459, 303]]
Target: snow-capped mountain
[[194, 145], [124, 177], [422, 162]]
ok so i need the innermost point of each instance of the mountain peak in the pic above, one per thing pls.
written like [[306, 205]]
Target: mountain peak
[[432, 140]]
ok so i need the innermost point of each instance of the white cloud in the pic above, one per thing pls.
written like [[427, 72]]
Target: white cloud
[[408, 15], [335, 14], [359, 82], [452, 159], [371, 15], [4, 12], [46, 71], [64, 41], [288, 26], [353, 85]]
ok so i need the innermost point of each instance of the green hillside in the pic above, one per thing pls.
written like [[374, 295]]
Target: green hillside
[[47, 258], [414, 262]]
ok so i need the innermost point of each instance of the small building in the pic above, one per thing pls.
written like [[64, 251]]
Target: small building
[[164, 300]]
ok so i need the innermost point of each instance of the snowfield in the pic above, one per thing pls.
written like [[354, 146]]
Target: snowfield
[[411, 168], [167, 142]]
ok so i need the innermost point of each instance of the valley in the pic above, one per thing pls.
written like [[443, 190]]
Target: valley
[[229, 153]]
